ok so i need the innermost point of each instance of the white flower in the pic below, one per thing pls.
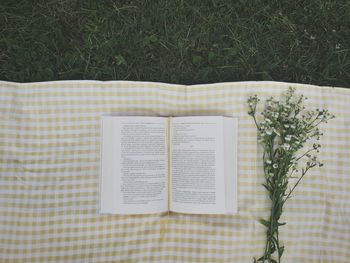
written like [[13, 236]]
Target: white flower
[[286, 125], [286, 146], [268, 161], [268, 132], [275, 165], [288, 138]]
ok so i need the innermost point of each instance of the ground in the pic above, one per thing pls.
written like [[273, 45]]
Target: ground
[[176, 41]]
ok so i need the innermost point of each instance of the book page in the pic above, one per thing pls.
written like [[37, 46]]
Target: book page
[[134, 176], [230, 152], [197, 180]]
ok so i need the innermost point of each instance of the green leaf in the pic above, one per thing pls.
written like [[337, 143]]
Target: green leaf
[[120, 60], [148, 40], [153, 38], [264, 222], [266, 187], [280, 251], [263, 259], [211, 56], [196, 59]]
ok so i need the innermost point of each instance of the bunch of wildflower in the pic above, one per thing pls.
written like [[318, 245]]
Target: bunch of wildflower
[[284, 130]]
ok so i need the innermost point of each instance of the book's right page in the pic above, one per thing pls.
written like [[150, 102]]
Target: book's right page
[[230, 164], [197, 165]]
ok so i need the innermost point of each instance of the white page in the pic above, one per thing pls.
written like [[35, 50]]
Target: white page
[[197, 181], [230, 147], [133, 165]]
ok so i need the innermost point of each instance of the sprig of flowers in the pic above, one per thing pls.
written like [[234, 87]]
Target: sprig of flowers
[[285, 130]]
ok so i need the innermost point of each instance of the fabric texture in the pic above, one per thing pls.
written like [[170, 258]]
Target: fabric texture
[[49, 178]]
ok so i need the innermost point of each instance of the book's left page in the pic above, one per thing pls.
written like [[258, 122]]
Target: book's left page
[[134, 176]]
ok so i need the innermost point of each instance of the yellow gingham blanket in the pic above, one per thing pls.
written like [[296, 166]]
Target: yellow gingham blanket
[[49, 178]]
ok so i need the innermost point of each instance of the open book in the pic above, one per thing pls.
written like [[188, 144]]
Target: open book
[[160, 164]]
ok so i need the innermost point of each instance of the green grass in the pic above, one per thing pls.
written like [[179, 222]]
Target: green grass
[[176, 41]]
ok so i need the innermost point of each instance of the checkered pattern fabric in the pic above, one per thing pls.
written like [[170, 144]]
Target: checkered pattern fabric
[[49, 178]]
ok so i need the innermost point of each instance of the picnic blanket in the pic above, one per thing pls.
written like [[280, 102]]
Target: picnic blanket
[[49, 178]]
